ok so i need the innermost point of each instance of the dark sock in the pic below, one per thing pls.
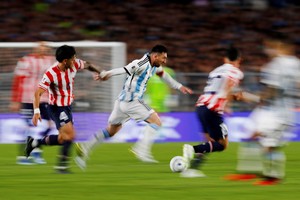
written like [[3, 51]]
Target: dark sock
[[65, 153], [197, 161], [45, 133], [208, 147], [49, 140]]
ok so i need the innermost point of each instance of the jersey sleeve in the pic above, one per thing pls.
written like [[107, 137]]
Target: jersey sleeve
[[22, 68], [79, 64], [46, 81], [132, 67]]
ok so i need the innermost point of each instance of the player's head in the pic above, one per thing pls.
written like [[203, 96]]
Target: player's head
[[159, 55], [278, 44], [65, 54], [233, 56], [42, 48]]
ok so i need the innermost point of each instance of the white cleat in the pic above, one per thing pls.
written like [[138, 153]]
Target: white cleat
[[188, 152], [143, 156], [82, 155], [81, 163], [192, 173]]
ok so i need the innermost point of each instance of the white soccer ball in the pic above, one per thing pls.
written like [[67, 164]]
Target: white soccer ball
[[178, 164]]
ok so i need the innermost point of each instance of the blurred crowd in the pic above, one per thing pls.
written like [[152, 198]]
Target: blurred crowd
[[195, 31]]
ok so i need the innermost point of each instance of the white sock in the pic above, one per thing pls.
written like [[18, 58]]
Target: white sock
[[97, 139], [145, 142]]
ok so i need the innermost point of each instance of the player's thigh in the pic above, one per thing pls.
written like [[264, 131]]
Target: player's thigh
[[216, 127], [117, 116], [61, 115], [137, 110], [26, 112], [44, 111]]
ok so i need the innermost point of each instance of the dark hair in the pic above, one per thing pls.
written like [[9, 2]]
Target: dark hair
[[159, 49], [232, 53], [64, 52]]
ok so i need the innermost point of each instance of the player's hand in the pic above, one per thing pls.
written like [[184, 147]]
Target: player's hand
[[185, 90], [36, 117], [96, 77], [104, 75]]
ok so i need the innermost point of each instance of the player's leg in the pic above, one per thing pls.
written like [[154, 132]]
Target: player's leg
[[212, 123], [37, 153], [26, 114], [139, 111]]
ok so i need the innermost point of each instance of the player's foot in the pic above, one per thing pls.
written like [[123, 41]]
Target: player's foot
[[62, 170], [80, 162], [23, 160], [143, 155], [268, 181], [28, 147], [240, 177], [192, 173], [82, 150], [37, 157], [188, 152]]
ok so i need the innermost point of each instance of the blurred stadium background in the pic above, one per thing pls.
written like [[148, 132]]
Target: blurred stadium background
[[112, 33]]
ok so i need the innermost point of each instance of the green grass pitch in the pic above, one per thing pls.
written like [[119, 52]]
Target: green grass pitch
[[114, 173]]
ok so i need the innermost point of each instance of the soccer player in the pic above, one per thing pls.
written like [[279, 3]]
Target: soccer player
[[280, 79], [210, 108], [58, 80], [28, 72], [130, 104]]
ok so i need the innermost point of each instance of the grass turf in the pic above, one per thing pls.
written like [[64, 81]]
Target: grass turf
[[114, 173]]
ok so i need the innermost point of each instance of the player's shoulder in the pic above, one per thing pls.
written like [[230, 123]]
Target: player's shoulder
[[143, 60]]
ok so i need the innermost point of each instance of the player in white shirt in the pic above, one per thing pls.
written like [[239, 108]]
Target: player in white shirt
[[130, 104], [210, 108], [280, 78]]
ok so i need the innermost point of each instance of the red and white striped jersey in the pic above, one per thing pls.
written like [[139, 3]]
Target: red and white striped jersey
[[220, 83], [28, 73], [60, 84]]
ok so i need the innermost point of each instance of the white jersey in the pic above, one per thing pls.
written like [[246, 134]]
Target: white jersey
[[215, 92], [138, 73], [283, 72]]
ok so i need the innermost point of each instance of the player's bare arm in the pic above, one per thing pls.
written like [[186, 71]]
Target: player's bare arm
[[36, 104], [165, 76], [91, 67]]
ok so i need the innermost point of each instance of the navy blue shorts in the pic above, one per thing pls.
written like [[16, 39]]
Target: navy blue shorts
[[212, 123], [61, 115], [27, 112]]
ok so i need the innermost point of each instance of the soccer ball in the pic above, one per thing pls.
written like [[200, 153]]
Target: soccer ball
[[178, 164]]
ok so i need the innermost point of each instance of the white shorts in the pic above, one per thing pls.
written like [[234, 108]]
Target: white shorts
[[123, 111], [271, 123]]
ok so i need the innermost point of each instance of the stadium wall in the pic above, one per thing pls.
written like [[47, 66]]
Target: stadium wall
[[177, 127]]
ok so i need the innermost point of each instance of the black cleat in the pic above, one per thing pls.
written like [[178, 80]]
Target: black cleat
[[28, 147]]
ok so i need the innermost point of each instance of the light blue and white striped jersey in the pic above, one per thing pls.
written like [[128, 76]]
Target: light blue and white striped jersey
[[138, 73]]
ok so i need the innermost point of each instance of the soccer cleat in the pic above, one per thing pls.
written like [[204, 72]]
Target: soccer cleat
[[240, 177], [37, 157], [143, 156], [80, 162], [28, 147], [192, 173], [188, 152], [40, 161], [23, 160], [81, 150], [271, 181]]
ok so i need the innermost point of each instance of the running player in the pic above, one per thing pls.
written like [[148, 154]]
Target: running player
[[130, 104], [210, 108], [28, 72], [280, 78], [58, 80]]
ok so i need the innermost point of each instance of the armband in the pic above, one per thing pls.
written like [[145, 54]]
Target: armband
[[36, 111]]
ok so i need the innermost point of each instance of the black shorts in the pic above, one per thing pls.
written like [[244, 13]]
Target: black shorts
[[212, 123], [27, 112], [61, 115]]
